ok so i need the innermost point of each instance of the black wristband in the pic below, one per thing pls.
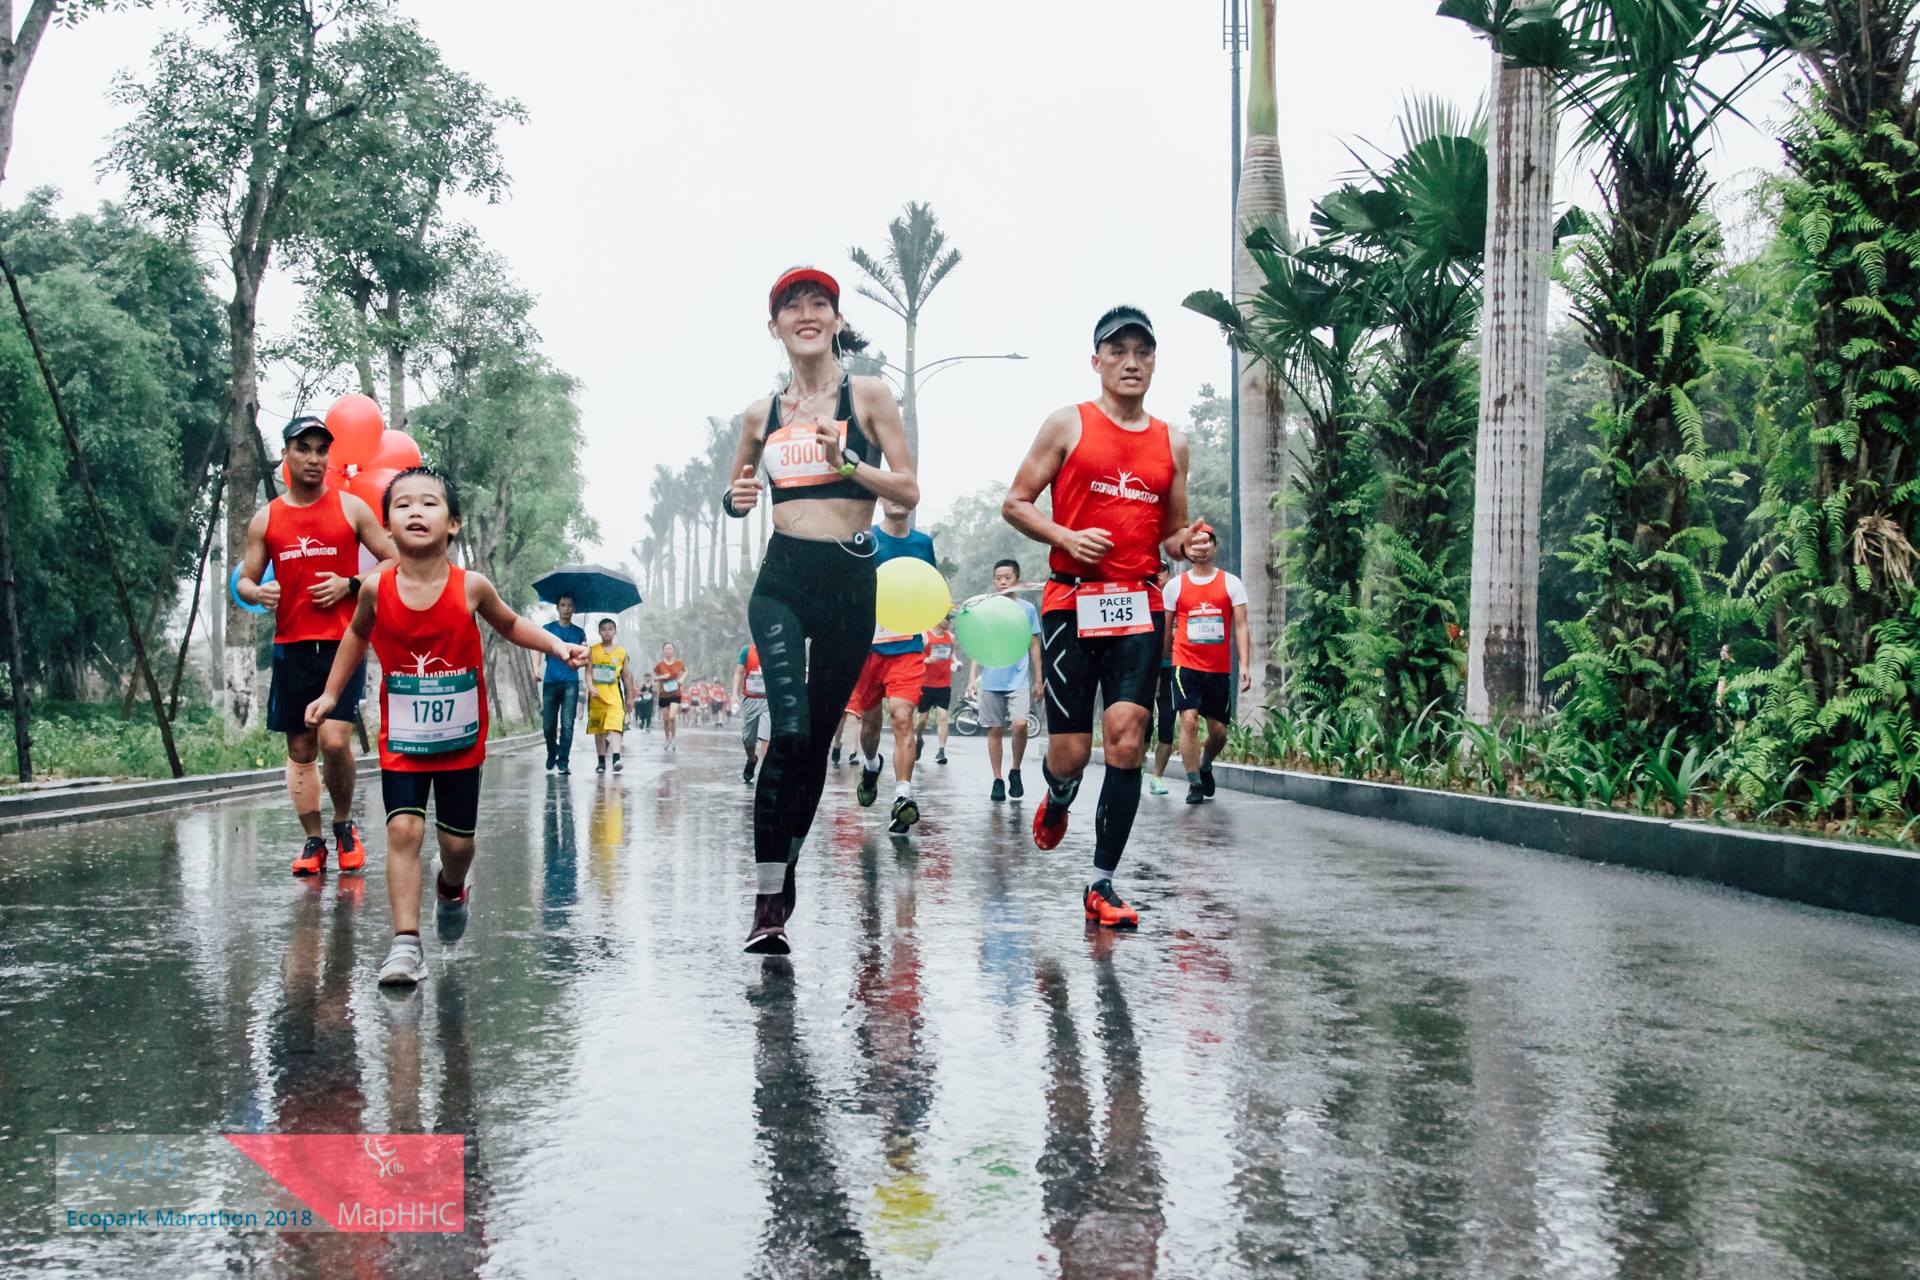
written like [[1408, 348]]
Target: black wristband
[[726, 504]]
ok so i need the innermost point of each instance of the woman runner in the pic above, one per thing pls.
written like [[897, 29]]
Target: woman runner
[[822, 440]]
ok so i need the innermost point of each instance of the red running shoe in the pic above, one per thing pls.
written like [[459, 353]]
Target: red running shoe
[[1105, 906], [313, 857], [346, 839], [1046, 832]]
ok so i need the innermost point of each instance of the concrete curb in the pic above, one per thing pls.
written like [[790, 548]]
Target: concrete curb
[[63, 807], [1861, 878]]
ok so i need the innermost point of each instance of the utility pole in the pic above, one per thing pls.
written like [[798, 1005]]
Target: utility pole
[[1234, 35]]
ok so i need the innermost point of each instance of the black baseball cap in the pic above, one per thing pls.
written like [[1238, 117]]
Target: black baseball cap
[[301, 425], [1119, 318]]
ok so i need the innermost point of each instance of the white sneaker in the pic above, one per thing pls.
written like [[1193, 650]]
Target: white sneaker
[[450, 918], [406, 963]]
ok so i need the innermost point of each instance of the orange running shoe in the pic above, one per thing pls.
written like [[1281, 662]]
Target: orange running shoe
[[313, 857], [1046, 832], [346, 840], [1104, 905]]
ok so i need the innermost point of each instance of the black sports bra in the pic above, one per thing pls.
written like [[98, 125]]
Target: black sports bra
[[797, 465]]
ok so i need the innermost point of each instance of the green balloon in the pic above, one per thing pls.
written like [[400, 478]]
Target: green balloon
[[994, 632]]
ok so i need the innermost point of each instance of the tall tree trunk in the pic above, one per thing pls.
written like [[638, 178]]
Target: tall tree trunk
[[746, 547], [238, 677], [1262, 426], [910, 394], [1503, 622], [10, 616], [396, 363], [16, 56], [362, 299], [716, 549], [193, 605]]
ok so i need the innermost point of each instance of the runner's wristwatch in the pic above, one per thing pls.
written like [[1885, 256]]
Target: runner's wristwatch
[[353, 585], [851, 463]]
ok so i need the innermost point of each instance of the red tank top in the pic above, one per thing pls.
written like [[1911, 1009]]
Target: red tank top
[[1117, 480], [939, 669], [303, 543], [755, 683], [433, 690], [1203, 623]]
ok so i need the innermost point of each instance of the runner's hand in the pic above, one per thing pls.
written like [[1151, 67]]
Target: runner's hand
[[1187, 533], [319, 709], [267, 594], [828, 434], [744, 493], [1087, 546], [1246, 680], [329, 590], [574, 655]]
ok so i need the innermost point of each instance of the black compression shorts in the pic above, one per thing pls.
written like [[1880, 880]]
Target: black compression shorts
[[932, 696], [1119, 668], [1208, 692], [456, 796]]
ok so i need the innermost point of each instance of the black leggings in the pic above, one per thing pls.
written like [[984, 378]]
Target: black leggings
[[812, 620]]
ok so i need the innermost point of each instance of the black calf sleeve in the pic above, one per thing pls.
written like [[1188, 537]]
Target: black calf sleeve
[[1113, 817]]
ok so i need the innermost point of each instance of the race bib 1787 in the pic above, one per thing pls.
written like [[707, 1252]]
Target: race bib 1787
[[428, 715]]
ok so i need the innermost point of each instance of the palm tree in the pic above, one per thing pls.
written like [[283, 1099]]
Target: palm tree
[[1503, 616], [1262, 424], [916, 261], [661, 518], [1647, 292]]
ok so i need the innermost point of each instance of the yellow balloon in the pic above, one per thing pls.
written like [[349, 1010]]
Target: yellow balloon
[[911, 596]]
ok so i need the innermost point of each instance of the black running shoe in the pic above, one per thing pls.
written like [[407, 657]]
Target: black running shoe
[[1206, 781], [940, 756], [1014, 789], [836, 757], [869, 787], [768, 936], [999, 791], [1196, 792], [601, 767], [746, 774], [616, 764], [906, 812]]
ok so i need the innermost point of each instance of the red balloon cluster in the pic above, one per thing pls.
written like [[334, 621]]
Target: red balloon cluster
[[365, 456]]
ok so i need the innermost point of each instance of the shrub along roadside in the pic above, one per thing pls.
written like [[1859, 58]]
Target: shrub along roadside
[[1706, 779]]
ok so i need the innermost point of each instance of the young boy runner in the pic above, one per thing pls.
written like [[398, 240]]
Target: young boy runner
[[612, 690], [1119, 482], [312, 536], [668, 673], [1199, 602], [560, 689], [890, 681], [419, 616], [750, 694], [936, 686], [1005, 695]]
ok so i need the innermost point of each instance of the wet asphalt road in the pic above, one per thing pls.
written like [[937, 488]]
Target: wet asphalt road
[[1335, 1047]]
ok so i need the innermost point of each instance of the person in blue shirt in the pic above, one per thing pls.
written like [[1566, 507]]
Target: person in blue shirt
[[891, 679], [1005, 695], [560, 691]]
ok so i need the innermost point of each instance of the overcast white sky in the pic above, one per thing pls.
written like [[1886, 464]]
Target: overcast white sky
[[678, 156]]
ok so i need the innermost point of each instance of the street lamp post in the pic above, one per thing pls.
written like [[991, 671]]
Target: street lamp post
[[910, 391]]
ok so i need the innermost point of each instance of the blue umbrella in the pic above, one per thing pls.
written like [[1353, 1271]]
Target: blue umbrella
[[594, 588]]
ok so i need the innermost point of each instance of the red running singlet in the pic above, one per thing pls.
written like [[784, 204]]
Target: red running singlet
[[1117, 480], [302, 544], [433, 691]]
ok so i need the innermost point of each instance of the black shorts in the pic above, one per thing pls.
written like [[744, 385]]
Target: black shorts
[[1163, 718], [669, 699], [456, 796], [1119, 668], [1208, 692], [300, 671], [932, 696]]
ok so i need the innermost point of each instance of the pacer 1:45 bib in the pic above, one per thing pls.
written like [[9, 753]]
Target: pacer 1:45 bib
[[427, 715], [1111, 609]]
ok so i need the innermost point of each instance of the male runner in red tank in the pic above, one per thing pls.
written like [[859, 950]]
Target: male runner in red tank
[[1119, 481], [312, 536], [1203, 605]]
